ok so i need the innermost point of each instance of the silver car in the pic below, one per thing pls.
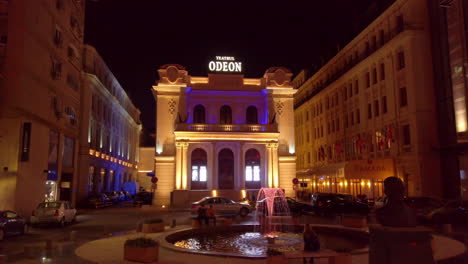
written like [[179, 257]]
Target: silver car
[[58, 212], [222, 206]]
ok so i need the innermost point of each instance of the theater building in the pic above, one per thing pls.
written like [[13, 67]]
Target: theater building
[[222, 135], [370, 112]]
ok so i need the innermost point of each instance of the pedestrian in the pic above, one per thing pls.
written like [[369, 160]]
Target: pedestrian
[[202, 215], [211, 213], [311, 241]]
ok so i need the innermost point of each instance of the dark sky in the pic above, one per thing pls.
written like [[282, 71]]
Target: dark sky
[[136, 37]]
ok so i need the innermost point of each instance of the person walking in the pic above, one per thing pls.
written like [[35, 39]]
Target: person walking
[[202, 215]]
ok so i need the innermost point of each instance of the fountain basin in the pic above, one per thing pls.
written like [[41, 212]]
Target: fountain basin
[[242, 241]]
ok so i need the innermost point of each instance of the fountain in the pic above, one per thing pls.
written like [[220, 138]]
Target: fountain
[[272, 213]]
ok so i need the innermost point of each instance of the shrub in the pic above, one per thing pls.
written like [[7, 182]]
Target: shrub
[[141, 242], [153, 221], [273, 252]]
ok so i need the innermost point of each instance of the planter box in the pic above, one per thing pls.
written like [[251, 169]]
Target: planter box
[[354, 221], [153, 228], [143, 255], [276, 260], [341, 259]]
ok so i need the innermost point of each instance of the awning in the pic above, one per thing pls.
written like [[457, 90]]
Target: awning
[[334, 170], [370, 169]]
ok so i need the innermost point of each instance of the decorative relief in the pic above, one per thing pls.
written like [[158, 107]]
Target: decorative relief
[[279, 107], [172, 106]]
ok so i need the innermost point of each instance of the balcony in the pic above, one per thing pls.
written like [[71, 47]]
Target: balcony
[[272, 128]]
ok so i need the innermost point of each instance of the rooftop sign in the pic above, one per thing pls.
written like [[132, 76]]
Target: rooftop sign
[[225, 64]]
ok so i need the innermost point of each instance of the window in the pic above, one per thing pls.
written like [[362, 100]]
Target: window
[[345, 94], [382, 71], [337, 124], [406, 135], [399, 23], [376, 108], [225, 115], [352, 118], [307, 115], [252, 169], [252, 115], [358, 116], [71, 52], [382, 37], [403, 97], [356, 86], [58, 39], [350, 90], [346, 121], [384, 104], [71, 81], [374, 76], [401, 60], [199, 114], [56, 70], [367, 79], [70, 113], [199, 170], [369, 111], [226, 169]]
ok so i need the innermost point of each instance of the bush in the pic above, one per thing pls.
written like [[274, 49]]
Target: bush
[[273, 252], [153, 221], [141, 242]]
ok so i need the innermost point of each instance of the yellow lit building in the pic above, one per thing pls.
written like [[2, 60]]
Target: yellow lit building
[[222, 135], [370, 112]]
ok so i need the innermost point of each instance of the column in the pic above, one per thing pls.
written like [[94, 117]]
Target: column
[[274, 150], [214, 179], [242, 168], [270, 165], [178, 179], [184, 165]]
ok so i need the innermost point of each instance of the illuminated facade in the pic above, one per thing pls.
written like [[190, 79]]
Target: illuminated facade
[[40, 65], [110, 130], [370, 112], [222, 135]]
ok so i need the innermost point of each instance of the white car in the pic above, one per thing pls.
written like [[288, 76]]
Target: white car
[[58, 212], [222, 206]]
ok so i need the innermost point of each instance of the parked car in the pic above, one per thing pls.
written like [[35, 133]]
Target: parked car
[[223, 206], [114, 196], [298, 208], [99, 200], [11, 224], [336, 203], [454, 212], [423, 206], [58, 212], [143, 197]]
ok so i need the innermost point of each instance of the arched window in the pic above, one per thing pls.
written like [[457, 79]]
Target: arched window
[[225, 115], [226, 169], [252, 169], [70, 113], [199, 170], [251, 116], [199, 114]]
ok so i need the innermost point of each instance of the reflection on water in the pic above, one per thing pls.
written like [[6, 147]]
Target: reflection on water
[[254, 244]]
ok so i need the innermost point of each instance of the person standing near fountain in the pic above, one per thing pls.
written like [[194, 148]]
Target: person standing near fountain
[[311, 241], [211, 214], [202, 215], [395, 212]]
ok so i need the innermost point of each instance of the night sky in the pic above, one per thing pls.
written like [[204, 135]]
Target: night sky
[[136, 37]]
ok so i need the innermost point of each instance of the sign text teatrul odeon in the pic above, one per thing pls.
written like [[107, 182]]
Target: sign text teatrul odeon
[[225, 64]]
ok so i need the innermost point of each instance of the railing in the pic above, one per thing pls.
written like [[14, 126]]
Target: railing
[[227, 127], [348, 66]]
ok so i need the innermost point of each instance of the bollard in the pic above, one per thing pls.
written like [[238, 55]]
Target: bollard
[[173, 225], [3, 259], [73, 235]]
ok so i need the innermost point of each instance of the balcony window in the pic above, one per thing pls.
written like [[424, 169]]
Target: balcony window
[[401, 60], [199, 114], [403, 97], [225, 115], [252, 115]]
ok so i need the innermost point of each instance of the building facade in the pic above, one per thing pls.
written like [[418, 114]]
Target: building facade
[[40, 46], [370, 112], [109, 130], [222, 135]]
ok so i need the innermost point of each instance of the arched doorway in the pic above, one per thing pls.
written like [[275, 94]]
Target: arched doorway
[[199, 171], [252, 169], [199, 114], [225, 115], [251, 116], [226, 169]]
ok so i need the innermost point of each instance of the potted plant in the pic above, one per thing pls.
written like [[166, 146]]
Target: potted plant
[[144, 250], [343, 258], [275, 256], [153, 225]]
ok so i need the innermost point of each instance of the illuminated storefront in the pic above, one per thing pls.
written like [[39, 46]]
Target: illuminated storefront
[[223, 134]]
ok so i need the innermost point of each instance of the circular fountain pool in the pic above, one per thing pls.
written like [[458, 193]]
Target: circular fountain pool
[[244, 241]]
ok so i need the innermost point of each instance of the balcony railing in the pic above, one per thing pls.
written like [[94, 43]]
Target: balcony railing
[[227, 127]]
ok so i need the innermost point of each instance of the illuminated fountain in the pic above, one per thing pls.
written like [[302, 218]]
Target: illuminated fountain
[[272, 213]]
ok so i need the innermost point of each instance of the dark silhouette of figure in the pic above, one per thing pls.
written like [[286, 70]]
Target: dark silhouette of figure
[[211, 214], [202, 214], [395, 212], [311, 241]]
